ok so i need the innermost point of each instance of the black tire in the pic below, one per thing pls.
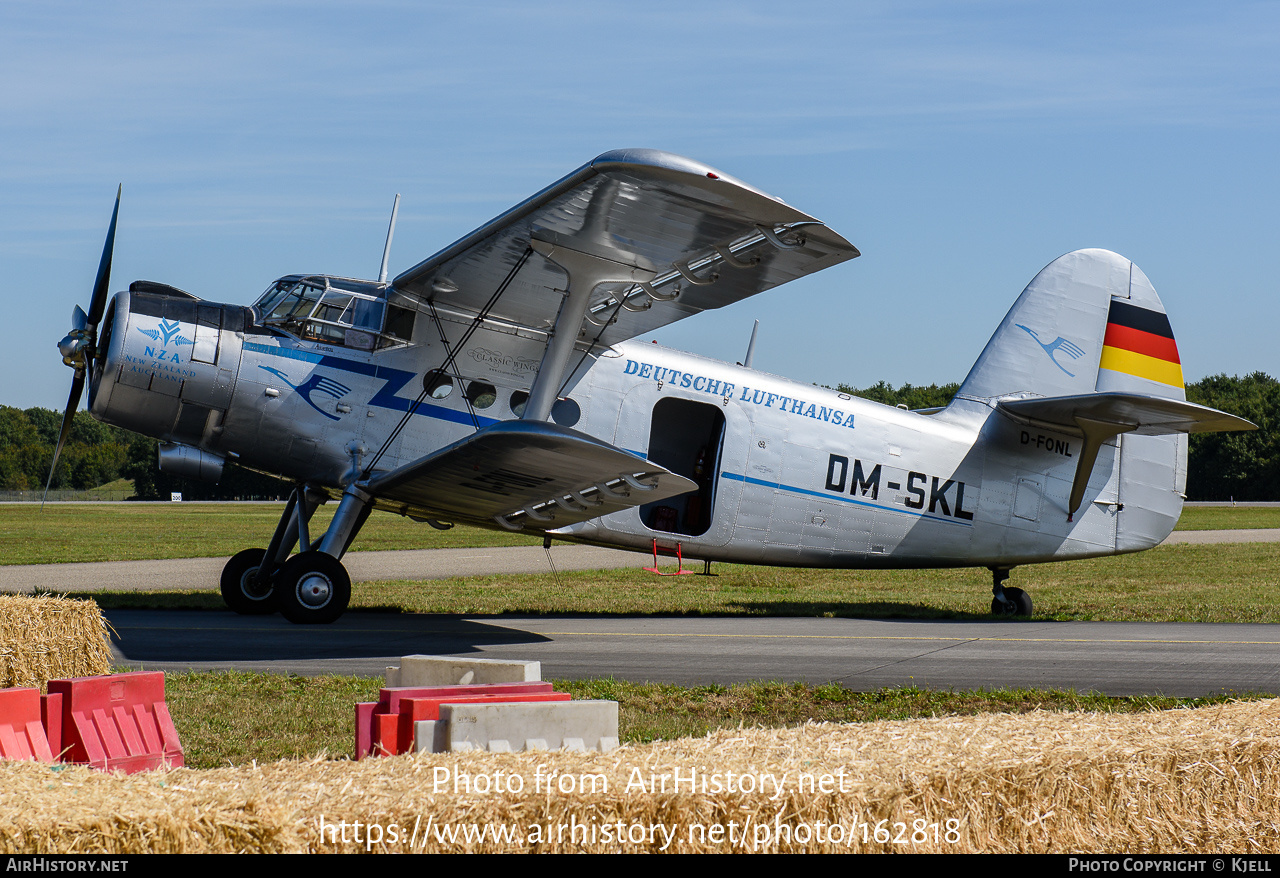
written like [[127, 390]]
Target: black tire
[[241, 590], [312, 588], [1019, 603]]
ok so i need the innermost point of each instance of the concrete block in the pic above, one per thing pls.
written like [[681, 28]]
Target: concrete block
[[505, 728], [443, 670]]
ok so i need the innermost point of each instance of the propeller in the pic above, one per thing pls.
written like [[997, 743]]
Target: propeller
[[79, 346]]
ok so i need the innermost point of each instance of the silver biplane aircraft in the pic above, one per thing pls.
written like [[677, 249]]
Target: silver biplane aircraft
[[496, 383]]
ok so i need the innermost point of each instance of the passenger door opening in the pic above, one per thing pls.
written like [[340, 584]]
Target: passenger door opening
[[686, 437]]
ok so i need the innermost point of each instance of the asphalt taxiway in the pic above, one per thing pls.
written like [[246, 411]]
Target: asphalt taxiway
[[1117, 658]]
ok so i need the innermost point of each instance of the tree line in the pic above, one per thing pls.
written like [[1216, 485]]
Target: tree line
[[96, 454], [1222, 466]]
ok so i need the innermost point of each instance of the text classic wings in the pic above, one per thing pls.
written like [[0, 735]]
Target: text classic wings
[[702, 238]]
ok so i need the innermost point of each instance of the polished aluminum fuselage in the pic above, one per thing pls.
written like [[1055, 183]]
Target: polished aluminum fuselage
[[794, 474]]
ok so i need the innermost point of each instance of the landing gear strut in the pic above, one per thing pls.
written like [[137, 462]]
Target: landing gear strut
[[312, 587], [1009, 601]]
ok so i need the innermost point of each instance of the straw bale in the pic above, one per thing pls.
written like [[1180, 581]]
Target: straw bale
[[45, 638], [1179, 781]]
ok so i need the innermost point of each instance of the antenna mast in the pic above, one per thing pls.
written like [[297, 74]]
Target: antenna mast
[[391, 230]]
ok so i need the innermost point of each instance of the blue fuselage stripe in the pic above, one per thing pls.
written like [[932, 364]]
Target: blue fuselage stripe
[[386, 397], [826, 495]]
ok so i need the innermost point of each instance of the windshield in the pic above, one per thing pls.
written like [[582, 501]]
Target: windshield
[[351, 314]]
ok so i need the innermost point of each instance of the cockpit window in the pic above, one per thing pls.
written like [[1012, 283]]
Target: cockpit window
[[350, 314]]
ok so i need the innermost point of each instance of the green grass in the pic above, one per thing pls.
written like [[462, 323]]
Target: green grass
[[136, 531], [1187, 583], [1228, 517], [128, 531], [113, 489], [1184, 583], [233, 718]]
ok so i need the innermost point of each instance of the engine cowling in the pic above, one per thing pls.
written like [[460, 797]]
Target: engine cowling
[[167, 365]]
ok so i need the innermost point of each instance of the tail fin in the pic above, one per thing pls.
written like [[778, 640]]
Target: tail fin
[[1089, 321], [1088, 349]]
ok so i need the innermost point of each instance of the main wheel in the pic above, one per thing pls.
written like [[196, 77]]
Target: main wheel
[[241, 587], [1019, 603], [313, 589]]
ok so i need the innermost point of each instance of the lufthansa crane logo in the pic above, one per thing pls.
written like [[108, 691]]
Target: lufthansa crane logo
[[1071, 349], [314, 384]]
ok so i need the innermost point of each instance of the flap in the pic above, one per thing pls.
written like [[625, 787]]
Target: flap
[[1139, 413], [708, 238], [527, 474]]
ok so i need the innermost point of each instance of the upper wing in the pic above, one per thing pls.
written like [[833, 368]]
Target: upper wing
[[709, 238]]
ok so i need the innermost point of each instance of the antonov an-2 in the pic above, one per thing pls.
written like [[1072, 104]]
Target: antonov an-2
[[497, 383]]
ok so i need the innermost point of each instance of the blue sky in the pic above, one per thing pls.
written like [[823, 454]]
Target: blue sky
[[960, 145]]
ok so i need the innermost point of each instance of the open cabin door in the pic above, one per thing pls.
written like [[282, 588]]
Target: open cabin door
[[687, 438]]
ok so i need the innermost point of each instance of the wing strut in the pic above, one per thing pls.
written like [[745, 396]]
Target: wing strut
[[586, 272]]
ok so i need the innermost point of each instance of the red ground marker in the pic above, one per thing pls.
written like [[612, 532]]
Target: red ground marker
[[22, 734], [118, 722]]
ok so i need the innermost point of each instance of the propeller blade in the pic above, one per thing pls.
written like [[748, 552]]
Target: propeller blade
[[73, 403], [98, 303]]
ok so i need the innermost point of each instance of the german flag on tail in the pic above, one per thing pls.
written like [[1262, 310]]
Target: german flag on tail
[[1139, 342]]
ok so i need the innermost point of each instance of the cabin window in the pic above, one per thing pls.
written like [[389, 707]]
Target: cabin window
[[481, 395], [518, 400], [566, 412], [437, 384]]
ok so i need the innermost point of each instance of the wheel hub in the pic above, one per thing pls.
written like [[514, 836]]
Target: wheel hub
[[253, 586], [314, 590]]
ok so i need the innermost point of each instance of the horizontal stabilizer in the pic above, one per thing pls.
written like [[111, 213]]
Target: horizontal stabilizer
[[1139, 413], [527, 474], [1102, 416]]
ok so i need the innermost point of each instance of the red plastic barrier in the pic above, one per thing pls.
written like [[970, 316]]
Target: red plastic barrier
[[22, 734], [378, 726], [51, 717], [118, 722]]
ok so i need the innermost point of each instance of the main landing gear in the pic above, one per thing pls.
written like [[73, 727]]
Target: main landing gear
[[1009, 601], [312, 587]]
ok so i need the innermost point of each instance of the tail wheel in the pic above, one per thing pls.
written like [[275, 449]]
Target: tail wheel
[[243, 590], [1016, 603], [313, 589]]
